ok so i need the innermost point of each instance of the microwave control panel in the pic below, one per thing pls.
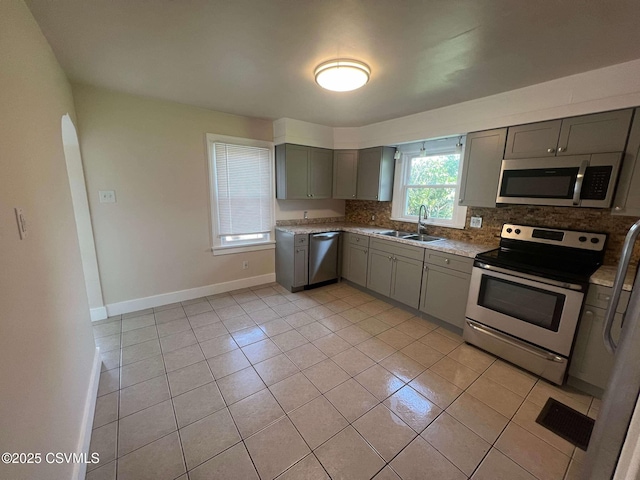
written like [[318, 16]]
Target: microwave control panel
[[596, 182]]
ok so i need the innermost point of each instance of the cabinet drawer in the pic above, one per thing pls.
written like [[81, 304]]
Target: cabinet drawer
[[301, 239], [396, 248], [454, 262], [357, 239], [598, 296]]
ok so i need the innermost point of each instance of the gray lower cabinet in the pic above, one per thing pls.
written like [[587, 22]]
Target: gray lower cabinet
[[395, 270], [481, 168], [590, 361], [596, 133], [445, 287], [303, 172], [375, 174], [292, 260], [345, 174], [355, 258], [627, 199]]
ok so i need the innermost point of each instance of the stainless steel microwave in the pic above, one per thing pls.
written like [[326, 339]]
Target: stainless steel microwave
[[571, 181]]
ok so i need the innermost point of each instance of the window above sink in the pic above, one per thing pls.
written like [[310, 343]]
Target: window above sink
[[430, 177]]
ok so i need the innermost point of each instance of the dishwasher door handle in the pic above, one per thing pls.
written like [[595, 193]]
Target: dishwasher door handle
[[327, 235]]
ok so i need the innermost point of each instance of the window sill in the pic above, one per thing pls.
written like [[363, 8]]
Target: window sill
[[427, 223], [231, 249]]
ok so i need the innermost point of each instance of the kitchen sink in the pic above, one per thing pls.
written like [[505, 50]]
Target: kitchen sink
[[410, 236], [397, 234]]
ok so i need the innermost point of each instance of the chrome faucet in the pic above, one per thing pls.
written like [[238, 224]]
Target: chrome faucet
[[420, 218]]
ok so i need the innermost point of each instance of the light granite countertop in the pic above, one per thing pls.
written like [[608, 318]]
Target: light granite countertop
[[455, 247], [606, 274]]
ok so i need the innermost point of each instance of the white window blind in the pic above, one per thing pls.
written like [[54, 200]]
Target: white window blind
[[243, 189]]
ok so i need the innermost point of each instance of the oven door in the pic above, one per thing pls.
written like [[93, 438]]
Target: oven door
[[525, 306]]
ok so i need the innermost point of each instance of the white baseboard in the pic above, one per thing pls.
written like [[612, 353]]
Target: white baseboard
[[183, 295], [99, 313], [80, 469]]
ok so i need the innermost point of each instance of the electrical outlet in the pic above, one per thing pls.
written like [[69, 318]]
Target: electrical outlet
[[373, 218], [22, 223], [476, 222], [245, 264], [107, 196], [306, 214]]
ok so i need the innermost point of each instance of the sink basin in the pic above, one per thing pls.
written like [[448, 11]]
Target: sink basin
[[410, 236], [397, 234], [422, 238]]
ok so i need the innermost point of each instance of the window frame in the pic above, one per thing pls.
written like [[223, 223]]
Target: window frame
[[401, 185], [218, 245]]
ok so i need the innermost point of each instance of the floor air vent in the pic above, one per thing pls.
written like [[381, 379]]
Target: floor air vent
[[566, 422]]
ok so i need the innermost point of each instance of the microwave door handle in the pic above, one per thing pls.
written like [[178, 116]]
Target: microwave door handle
[[577, 189], [618, 283]]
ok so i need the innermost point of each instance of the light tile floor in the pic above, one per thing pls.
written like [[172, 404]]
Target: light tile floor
[[329, 383]]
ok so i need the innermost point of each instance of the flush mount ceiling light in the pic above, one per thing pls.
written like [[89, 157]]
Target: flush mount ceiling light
[[342, 75]]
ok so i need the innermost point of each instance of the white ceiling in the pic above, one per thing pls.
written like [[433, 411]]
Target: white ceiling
[[257, 57]]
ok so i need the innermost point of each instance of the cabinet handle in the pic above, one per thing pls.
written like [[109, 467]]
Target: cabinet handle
[[617, 209], [364, 251], [562, 149], [376, 197], [357, 239], [425, 267], [588, 312], [551, 150], [389, 257], [353, 196], [446, 260]]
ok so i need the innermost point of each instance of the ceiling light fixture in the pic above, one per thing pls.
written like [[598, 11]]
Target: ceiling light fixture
[[342, 75]]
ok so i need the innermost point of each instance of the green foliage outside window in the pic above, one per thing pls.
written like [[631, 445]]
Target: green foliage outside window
[[432, 182]]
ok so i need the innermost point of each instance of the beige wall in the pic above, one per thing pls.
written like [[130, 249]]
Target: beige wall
[[46, 344], [156, 238]]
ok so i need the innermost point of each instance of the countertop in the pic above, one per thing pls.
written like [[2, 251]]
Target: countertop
[[455, 247], [606, 274]]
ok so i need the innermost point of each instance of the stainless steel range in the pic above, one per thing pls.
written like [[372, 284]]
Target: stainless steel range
[[526, 296]]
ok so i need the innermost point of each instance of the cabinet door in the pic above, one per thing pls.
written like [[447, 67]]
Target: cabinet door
[[444, 294], [627, 200], [590, 361], [301, 266], [533, 140], [406, 281], [345, 173], [368, 183], [597, 133], [320, 172], [297, 171], [481, 168], [358, 260], [379, 272]]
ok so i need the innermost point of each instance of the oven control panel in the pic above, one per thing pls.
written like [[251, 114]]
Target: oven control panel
[[553, 236]]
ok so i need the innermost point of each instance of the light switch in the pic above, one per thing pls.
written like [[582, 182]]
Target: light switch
[[476, 222], [107, 196]]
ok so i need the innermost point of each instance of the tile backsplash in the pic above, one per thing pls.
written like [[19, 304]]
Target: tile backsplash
[[587, 219]]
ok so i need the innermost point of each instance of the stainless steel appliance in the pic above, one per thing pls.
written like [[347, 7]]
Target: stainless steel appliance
[[323, 257], [572, 181], [525, 297], [614, 449]]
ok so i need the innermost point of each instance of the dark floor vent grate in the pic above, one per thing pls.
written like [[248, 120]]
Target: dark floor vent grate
[[566, 422]]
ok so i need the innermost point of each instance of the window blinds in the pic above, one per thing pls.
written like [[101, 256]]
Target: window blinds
[[243, 183]]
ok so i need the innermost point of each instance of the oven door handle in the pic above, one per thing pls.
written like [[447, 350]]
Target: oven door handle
[[538, 352], [577, 189], [513, 273]]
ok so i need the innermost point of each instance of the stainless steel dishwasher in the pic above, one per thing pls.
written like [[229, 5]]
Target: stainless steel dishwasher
[[323, 257]]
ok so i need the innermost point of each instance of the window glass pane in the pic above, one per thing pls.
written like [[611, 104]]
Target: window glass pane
[[434, 170], [439, 202]]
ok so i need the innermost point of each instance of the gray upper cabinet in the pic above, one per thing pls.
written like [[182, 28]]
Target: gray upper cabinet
[[375, 174], [303, 172], [627, 199], [345, 174], [481, 168], [596, 133], [534, 140]]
